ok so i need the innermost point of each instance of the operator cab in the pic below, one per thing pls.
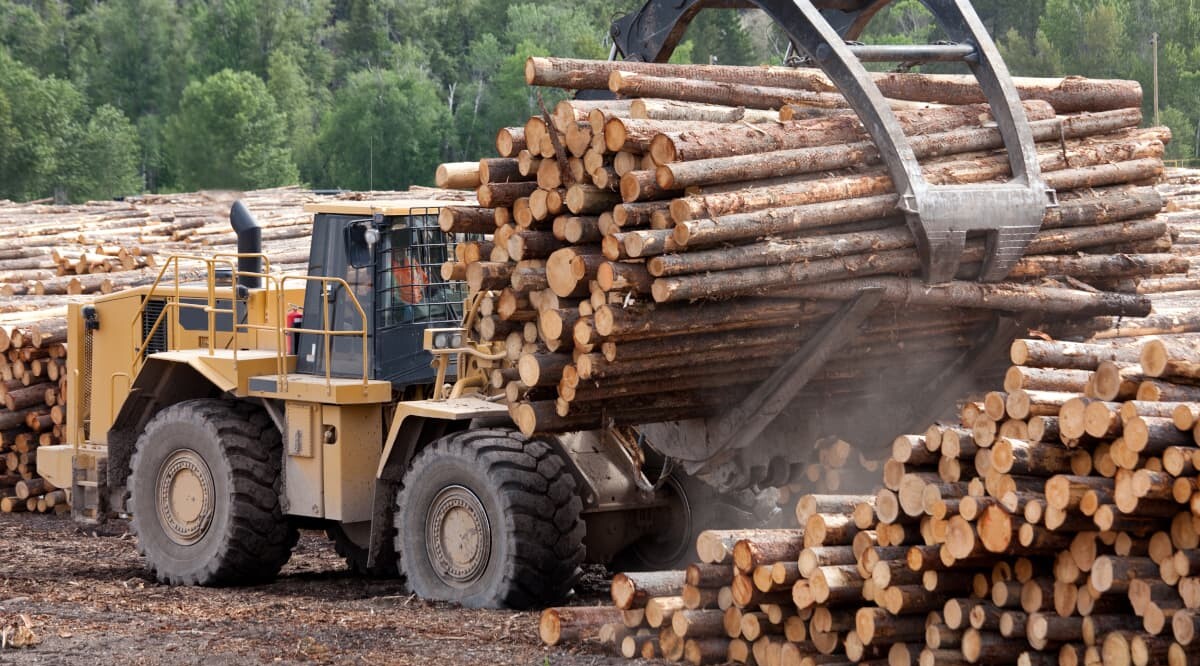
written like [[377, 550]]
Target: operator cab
[[390, 254]]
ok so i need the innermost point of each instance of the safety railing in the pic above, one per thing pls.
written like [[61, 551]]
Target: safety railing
[[275, 286]]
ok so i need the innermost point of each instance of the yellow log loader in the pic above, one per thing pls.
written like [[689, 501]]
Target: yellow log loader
[[227, 405]]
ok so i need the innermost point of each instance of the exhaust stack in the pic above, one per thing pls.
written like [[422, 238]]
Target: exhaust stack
[[249, 241]]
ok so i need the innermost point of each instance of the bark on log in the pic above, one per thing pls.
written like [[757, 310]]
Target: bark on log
[[733, 140], [1067, 95]]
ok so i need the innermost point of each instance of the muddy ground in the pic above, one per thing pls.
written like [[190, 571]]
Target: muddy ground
[[91, 602]]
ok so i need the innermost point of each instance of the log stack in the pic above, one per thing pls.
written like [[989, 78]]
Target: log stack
[[101, 246], [32, 412], [643, 250], [1056, 521]]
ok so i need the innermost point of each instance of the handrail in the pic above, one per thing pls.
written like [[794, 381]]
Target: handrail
[[275, 285]]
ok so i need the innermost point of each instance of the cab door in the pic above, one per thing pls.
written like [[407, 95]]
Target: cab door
[[411, 296], [329, 306]]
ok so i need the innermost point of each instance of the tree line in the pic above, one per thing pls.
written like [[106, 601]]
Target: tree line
[[106, 98]]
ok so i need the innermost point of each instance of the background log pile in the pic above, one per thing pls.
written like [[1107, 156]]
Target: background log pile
[[51, 255], [660, 240], [52, 250], [1058, 521]]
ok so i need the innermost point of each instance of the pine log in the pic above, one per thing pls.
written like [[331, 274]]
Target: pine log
[[633, 590], [1067, 95]]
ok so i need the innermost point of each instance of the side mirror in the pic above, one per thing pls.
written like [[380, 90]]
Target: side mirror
[[361, 238]]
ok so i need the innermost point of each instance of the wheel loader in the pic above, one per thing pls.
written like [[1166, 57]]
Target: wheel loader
[[228, 405]]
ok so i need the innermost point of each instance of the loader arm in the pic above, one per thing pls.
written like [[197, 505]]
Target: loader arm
[[652, 33]]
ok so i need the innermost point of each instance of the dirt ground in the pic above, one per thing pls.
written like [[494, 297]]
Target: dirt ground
[[91, 602]]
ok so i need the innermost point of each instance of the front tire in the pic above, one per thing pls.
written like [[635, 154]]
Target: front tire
[[489, 519], [204, 492]]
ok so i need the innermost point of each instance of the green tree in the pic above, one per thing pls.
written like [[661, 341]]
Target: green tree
[[133, 56], [105, 163], [229, 133], [37, 33], [1029, 57], [383, 131], [302, 101], [717, 36], [1089, 35], [1002, 16], [39, 122], [1183, 134]]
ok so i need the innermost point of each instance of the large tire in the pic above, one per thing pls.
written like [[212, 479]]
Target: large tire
[[204, 491], [490, 519], [694, 507]]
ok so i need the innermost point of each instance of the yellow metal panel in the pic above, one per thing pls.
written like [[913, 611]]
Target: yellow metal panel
[[310, 388], [368, 208], [227, 369], [303, 478], [77, 411], [54, 464], [112, 360], [458, 409], [350, 459]]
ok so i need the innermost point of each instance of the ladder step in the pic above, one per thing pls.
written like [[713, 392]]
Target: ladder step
[[913, 53]]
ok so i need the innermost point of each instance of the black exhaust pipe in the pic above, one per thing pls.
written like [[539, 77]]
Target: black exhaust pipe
[[249, 241]]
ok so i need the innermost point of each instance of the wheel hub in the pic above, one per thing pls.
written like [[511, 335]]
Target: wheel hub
[[458, 536], [184, 497], [668, 543]]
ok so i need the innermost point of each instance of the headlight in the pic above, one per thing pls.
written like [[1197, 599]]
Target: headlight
[[441, 341], [456, 341]]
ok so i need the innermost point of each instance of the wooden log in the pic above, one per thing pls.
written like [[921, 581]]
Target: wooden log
[[767, 549], [574, 623], [1070, 355], [634, 589], [1162, 358], [629, 84], [458, 176], [510, 141], [1068, 95], [499, 195]]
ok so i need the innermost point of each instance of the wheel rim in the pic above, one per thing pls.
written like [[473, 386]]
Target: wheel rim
[[458, 536], [184, 497], [668, 545]]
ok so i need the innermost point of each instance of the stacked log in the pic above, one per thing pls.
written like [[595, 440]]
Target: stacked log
[[102, 246], [1056, 521], [651, 242], [32, 413]]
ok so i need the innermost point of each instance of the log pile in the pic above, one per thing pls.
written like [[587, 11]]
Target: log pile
[[659, 239], [33, 384], [101, 246], [1058, 521]]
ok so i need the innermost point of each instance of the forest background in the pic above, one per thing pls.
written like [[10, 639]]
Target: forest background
[[108, 98]]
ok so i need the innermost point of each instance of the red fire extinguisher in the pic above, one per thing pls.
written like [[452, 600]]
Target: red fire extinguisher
[[293, 320]]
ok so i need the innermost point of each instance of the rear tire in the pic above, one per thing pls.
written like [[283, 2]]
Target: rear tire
[[489, 519], [204, 492], [695, 507]]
